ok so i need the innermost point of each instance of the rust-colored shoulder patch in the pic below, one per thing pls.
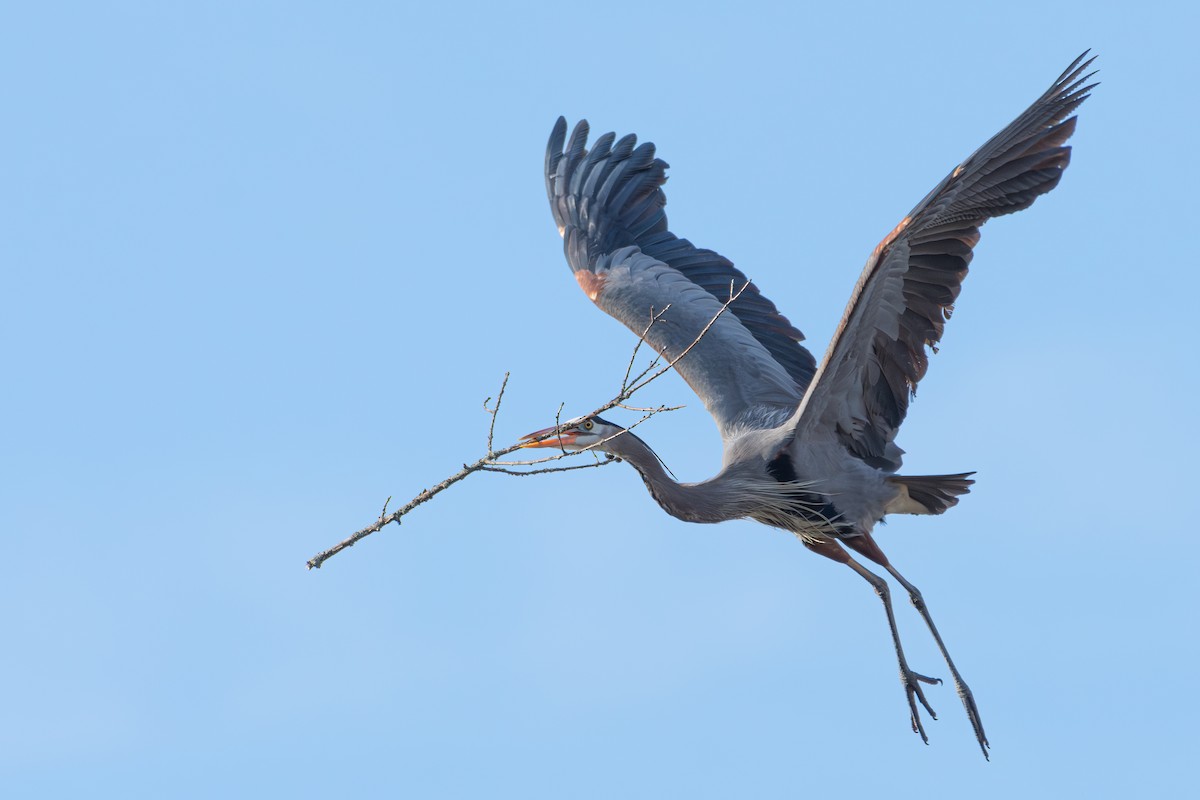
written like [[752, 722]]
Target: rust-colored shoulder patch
[[891, 237], [591, 283]]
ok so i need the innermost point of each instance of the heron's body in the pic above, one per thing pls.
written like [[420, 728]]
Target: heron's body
[[810, 449]]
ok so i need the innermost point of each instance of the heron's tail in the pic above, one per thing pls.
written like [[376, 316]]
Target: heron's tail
[[928, 494]]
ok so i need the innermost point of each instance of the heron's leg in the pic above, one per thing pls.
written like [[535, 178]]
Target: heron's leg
[[960, 686], [866, 545], [912, 680]]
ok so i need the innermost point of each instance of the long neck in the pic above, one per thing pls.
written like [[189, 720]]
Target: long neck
[[716, 500]]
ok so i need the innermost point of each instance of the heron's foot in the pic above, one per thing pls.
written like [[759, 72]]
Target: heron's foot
[[968, 701], [912, 687]]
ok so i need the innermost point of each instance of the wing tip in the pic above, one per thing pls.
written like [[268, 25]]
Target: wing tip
[[1077, 66], [1068, 85], [554, 145]]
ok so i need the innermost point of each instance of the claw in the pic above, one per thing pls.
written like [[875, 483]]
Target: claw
[[912, 688]]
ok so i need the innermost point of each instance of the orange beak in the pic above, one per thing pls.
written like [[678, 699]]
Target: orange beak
[[564, 438]]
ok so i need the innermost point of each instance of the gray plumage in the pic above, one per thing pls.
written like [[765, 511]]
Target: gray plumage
[[809, 449]]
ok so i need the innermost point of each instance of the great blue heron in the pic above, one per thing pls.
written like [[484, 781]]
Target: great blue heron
[[810, 449]]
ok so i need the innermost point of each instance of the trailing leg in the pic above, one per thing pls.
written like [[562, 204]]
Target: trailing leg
[[911, 680], [960, 686], [866, 545]]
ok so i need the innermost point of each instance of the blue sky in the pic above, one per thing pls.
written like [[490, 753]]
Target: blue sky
[[264, 261]]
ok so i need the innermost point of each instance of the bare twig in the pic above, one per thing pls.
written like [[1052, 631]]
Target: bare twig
[[495, 411], [654, 317], [424, 497], [638, 384], [521, 473], [491, 463], [657, 410]]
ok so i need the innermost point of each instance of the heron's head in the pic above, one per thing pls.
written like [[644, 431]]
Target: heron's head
[[576, 434]]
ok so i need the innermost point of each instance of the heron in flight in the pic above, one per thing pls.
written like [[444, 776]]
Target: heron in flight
[[808, 448]]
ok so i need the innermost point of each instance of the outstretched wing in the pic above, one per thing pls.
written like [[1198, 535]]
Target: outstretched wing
[[908, 288], [749, 368]]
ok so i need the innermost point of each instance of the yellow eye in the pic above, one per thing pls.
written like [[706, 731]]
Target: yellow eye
[[588, 425]]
